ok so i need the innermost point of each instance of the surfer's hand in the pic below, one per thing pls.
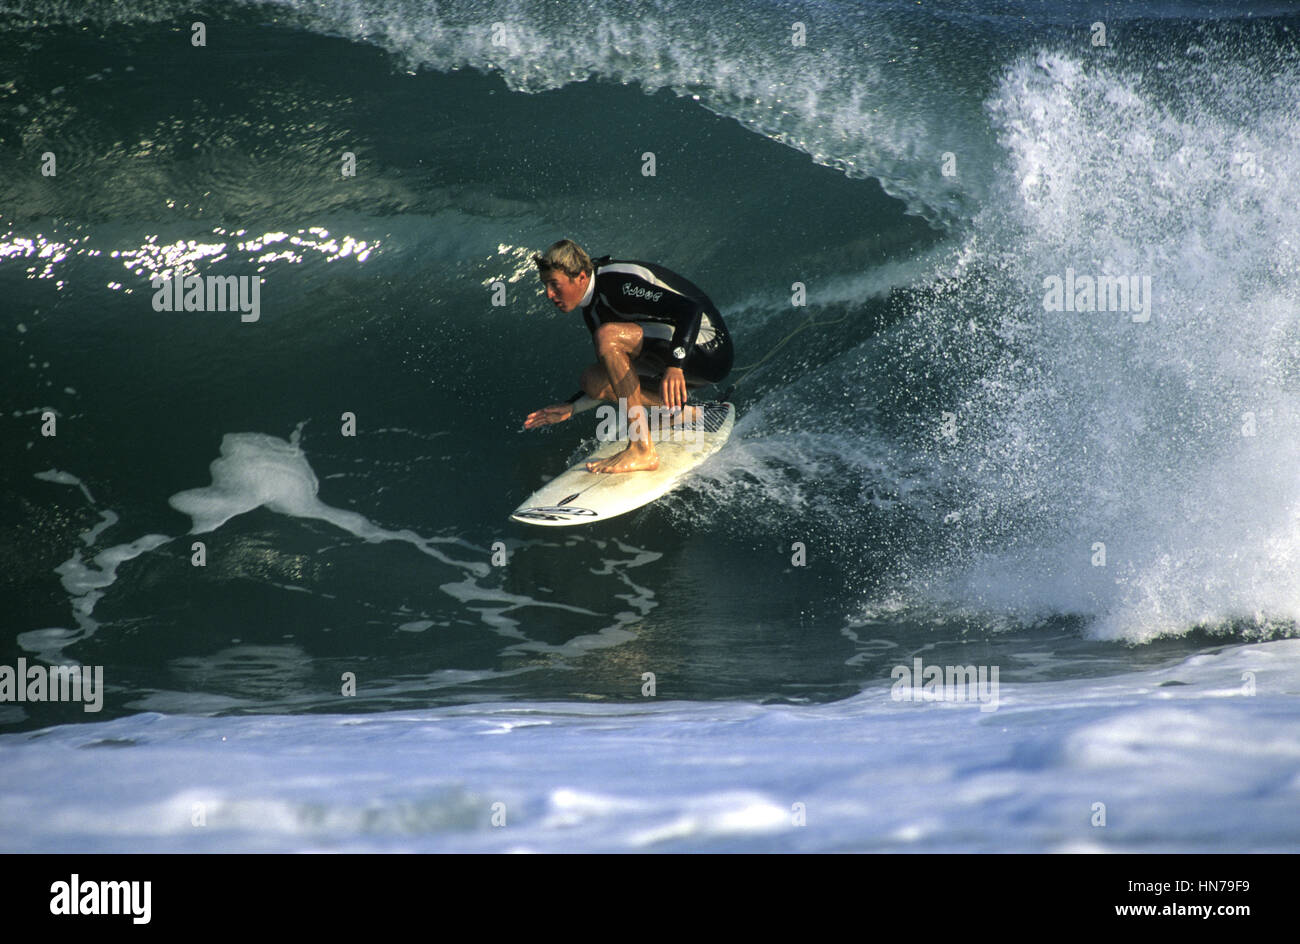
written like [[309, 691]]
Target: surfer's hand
[[673, 389], [556, 413]]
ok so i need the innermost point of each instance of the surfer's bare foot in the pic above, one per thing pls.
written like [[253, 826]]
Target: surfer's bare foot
[[635, 458]]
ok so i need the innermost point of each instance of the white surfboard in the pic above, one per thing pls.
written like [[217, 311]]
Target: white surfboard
[[581, 497]]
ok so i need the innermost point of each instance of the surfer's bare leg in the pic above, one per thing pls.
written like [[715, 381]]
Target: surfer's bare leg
[[617, 344], [595, 383]]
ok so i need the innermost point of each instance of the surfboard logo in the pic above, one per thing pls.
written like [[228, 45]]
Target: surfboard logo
[[555, 513]]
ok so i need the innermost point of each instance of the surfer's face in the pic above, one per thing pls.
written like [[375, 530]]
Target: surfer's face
[[563, 291]]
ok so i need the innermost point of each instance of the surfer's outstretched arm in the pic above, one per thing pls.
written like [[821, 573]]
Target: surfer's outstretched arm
[[559, 412], [555, 413]]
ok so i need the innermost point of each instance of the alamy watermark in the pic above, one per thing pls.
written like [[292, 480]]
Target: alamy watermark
[[957, 683], [660, 423], [77, 897], [1130, 293], [53, 683], [242, 293]]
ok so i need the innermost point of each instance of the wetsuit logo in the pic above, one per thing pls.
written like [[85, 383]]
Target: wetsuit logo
[[639, 292]]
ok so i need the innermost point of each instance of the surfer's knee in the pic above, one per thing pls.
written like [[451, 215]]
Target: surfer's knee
[[617, 338]]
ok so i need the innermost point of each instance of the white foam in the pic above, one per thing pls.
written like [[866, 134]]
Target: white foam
[[65, 478], [1196, 766], [258, 470], [1172, 442]]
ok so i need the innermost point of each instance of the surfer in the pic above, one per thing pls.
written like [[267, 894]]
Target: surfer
[[655, 334]]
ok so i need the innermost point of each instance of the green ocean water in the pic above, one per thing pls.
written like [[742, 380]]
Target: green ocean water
[[840, 533]]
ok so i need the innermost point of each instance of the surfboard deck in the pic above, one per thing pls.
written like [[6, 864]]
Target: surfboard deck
[[581, 497]]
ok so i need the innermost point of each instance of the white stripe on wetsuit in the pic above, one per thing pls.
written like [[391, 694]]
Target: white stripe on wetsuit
[[654, 329]]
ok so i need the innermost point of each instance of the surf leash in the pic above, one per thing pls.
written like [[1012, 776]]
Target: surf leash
[[809, 322]]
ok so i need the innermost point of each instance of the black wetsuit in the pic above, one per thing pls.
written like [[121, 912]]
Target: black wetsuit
[[681, 326]]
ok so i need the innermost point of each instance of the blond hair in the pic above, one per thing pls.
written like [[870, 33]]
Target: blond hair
[[567, 256]]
